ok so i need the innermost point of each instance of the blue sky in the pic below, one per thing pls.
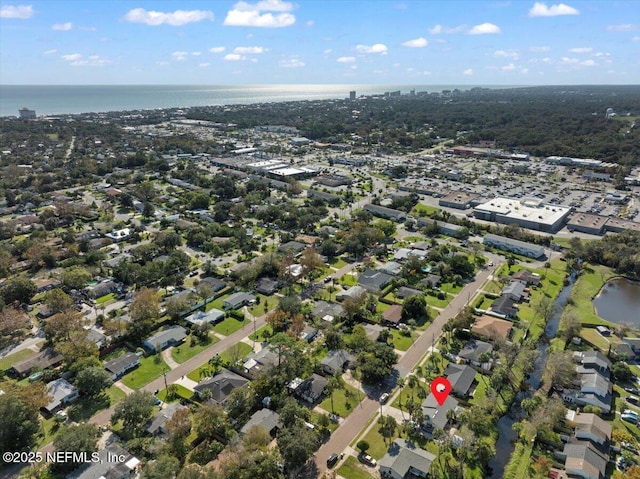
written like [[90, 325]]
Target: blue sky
[[472, 42]]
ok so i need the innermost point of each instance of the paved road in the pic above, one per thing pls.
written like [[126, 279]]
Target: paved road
[[368, 408]]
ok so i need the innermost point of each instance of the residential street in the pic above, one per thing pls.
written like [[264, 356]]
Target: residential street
[[368, 408]]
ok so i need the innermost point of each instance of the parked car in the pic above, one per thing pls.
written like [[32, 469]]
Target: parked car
[[632, 399], [384, 397], [630, 416], [368, 460], [332, 460]]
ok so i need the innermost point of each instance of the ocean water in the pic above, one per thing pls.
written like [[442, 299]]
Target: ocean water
[[69, 99]]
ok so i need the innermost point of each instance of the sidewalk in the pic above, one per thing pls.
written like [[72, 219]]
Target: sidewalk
[[166, 355]]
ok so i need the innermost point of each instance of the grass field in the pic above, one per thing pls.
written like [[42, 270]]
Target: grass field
[[150, 368], [587, 286], [353, 469], [428, 210], [402, 342], [258, 309], [11, 359], [344, 400], [181, 392], [596, 339], [85, 407], [104, 299], [187, 350], [230, 325]]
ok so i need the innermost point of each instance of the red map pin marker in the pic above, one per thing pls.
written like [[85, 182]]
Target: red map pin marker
[[440, 388]]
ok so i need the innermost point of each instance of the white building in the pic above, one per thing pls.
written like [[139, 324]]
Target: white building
[[532, 214]]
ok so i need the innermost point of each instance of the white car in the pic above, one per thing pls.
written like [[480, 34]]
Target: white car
[[384, 397]]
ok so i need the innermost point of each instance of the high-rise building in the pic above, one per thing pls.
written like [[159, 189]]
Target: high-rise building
[[352, 95], [26, 114]]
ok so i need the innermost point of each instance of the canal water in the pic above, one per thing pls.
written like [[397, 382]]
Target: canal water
[[619, 302], [506, 435]]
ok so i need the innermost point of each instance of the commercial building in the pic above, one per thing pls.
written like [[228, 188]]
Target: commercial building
[[532, 214], [529, 250], [458, 199], [587, 223], [26, 114]]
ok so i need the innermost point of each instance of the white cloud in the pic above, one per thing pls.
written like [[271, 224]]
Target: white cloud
[[328, 51], [251, 50], [508, 67], [216, 49], [50, 52], [64, 27], [291, 63], [244, 14], [626, 27], [234, 57], [346, 59], [162, 63], [540, 9], [539, 49], [588, 63], [17, 11], [484, 29], [438, 29], [196, 54], [581, 50], [468, 72], [524, 71], [636, 39], [72, 57], [78, 60], [202, 65], [88, 29], [175, 19], [506, 54], [310, 23], [376, 48], [569, 61], [180, 56], [416, 43]]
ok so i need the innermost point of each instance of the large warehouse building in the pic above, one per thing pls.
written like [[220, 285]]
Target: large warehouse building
[[532, 214]]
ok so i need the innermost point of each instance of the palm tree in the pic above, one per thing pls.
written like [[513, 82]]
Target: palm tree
[[335, 382], [413, 381], [400, 384], [216, 362]]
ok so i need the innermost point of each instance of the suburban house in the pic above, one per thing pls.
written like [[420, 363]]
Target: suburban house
[[492, 327], [266, 419], [353, 292], [62, 393], [431, 280], [308, 334], [404, 292], [473, 351], [45, 359], [527, 277], [338, 361], [212, 283], [327, 311], [462, 379], [121, 365], [238, 300], [115, 463], [392, 267], [516, 290], [212, 317], [294, 247], [405, 460], [258, 362], [220, 385], [592, 386], [311, 389], [374, 280], [591, 427], [393, 315], [505, 306], [163, 339], [435, 416], [157, 424], [592, 361], [582, 459], [103, 288], [266, 286]]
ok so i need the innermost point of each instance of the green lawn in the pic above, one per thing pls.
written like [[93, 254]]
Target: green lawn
[[353, 469], [377, 446], [235, 352], [586, 288], [402, 342], [519, 466], [436, 302], [85, 407], [259, 334], [150, 368], [596, 339], [105, 298], [11, 359], [348, 280], [230, 325], [450, 288], [338, 263], [48, 431], [428, 210], [191, 347], [344, 400], [258, 309], [181, 392]]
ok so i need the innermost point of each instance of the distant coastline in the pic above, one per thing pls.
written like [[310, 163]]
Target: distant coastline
[[75, 99]]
